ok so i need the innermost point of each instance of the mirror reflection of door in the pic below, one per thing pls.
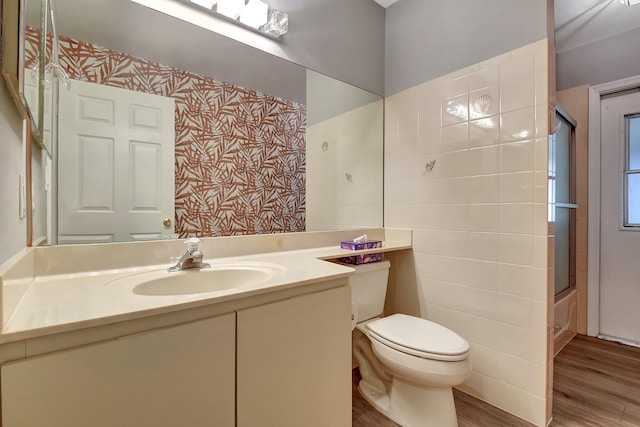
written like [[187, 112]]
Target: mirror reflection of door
[[620, 217], [32, 40], [31, 83], [116, 162]]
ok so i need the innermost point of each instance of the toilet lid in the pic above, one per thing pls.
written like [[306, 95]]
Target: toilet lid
[[418, 336]]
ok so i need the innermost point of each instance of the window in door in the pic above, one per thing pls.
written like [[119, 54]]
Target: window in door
[[631, 173]]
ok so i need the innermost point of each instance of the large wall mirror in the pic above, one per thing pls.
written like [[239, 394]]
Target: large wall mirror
[[23, 82], [165, 129]]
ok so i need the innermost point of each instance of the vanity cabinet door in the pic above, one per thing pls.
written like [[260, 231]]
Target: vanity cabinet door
[[178, 376], [294, 362]]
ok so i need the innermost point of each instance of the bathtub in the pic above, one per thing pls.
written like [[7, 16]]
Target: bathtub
[[565, 320]]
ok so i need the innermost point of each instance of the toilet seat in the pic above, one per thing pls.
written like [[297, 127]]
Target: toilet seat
[[418, 337]]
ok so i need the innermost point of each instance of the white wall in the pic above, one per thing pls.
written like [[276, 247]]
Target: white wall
[[350, 121], [13, 231], [339, 38], [602, 61], [479, 217], [342, 39], [39, 170], [427, 39], [328, 98]]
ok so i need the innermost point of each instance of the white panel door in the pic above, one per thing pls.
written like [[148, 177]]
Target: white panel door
[[619, 247], [116, 164]]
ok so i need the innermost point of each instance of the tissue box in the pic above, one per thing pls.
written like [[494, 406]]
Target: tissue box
[[357, 246], [362, 259]]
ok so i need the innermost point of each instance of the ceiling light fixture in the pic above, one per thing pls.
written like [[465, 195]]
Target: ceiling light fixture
[[253, 14], [629, 2]]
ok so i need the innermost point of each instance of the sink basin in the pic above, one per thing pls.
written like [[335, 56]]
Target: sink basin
[[217, 278]]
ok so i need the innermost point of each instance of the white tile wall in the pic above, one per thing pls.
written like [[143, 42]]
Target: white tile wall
[[480, 261], [343, 182]]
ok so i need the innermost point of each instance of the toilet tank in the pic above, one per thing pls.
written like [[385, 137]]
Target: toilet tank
[[369, 288]]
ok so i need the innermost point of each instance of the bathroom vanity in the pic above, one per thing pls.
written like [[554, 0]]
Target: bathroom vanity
[[186, 374], [271, 354]]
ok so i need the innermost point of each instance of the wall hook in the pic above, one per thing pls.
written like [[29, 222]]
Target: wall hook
[[429, 167]]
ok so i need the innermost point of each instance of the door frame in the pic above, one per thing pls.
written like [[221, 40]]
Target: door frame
[[593, 270]]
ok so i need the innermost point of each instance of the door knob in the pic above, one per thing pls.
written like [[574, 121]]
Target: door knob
[[166, 222]]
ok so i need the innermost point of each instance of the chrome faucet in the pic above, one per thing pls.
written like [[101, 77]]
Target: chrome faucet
[[192, 258]]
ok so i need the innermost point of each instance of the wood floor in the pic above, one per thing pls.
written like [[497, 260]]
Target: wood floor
[[471, 412], [596, 384]]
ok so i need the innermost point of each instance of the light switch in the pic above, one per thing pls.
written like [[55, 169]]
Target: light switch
[[22, 197]]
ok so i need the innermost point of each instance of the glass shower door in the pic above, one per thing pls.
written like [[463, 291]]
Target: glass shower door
[[562, 200]]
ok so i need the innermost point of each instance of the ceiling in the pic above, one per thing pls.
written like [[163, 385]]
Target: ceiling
[[579, 22], [385, 3]]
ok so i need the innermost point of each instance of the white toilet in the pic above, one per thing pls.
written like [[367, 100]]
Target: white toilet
[[408, 364]]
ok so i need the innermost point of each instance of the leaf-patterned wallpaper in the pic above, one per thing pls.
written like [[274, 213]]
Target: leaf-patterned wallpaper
[[240, 154]]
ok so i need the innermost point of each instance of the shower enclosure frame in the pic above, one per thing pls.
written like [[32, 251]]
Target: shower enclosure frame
[[572, 206]]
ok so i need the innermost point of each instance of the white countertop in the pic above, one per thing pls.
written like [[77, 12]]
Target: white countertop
[[61, 303]]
